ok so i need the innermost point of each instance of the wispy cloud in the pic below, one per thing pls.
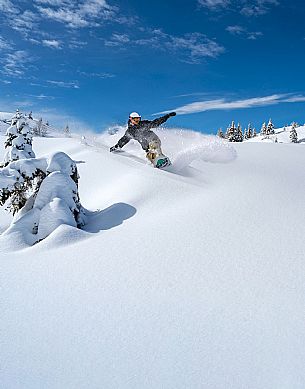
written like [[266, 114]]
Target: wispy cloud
[[213, 4], [245, 7], [243, 32], [15, 64], [7, 7], [96, 75], [42, 97], [6, 82], [258, 7], [64, 84], [87, 13], [190, 48], [4, 44], [52, 43], [295, 99], [223, 104]]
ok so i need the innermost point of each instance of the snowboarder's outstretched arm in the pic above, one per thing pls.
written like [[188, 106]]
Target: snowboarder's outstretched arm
[[157, 122], [121, 142]]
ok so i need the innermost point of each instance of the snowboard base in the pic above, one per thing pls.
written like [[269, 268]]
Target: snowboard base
[[162, 162]]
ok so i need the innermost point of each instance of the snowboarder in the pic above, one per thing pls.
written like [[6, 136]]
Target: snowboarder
[[140, 130]]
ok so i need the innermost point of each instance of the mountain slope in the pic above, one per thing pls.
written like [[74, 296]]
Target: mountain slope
[[186, 279]]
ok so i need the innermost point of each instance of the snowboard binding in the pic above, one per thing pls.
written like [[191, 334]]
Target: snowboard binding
[[156, 157]]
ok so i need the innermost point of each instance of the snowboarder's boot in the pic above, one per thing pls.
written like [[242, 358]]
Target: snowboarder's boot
[[155, 155]]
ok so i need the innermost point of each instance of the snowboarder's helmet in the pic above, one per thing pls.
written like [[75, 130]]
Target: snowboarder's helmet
[[134, 115]]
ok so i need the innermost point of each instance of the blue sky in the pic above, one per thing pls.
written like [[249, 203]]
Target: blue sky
[[91, 62]]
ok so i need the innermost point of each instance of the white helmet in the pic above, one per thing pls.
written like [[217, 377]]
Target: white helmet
[[134, 115]]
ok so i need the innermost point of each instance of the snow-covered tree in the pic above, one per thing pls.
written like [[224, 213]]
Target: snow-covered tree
[[249, 132], [254, 134], [293, 135], [245, 136], [234, 134], [18, 139], [239, 134], [44, 195], [220, 134], [41, 129], [270, 128], [264, 129], [67, 131]]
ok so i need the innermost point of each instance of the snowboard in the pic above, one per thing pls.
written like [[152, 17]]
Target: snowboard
[[161, 162]]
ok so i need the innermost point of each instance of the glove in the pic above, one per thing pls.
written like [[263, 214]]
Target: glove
[[172, 114], [114, 148]]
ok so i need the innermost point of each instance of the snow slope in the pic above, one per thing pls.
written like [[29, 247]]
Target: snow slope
[[190, 278]]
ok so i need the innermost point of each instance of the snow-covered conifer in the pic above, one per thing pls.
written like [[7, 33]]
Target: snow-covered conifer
[[18, 139], [254, 134], [245, 136], [67, 131], [220, 133], [264, 129], [43, 194], [293, 135], [230, 134], [249, 132], [234, 134], [239, 134], [270, 128]]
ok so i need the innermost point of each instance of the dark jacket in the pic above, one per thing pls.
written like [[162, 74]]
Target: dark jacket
[[142, 132]]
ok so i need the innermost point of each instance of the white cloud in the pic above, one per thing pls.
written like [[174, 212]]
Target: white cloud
[[295, 99], [54, 44], [235, 30], [243, 32], [190, 48], [6, 81], [42, 97], [245, 7], [97, 75], [196, 46], [213, 4], [4, 44], [258, 7], [64, 84], [223, 104], [7, 7], [87, 13], [24, 22], [15, 64]]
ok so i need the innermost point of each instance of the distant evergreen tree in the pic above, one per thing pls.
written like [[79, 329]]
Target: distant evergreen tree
[[37, 129], [67, 131], [230, 134], [293, 134], [254, 133], [264, 129], [249, 132], [220, 134], [239, 134], [245, 134], [270, 128], [234, 134]]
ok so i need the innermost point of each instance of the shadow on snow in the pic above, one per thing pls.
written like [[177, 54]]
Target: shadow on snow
[[110, 217]]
